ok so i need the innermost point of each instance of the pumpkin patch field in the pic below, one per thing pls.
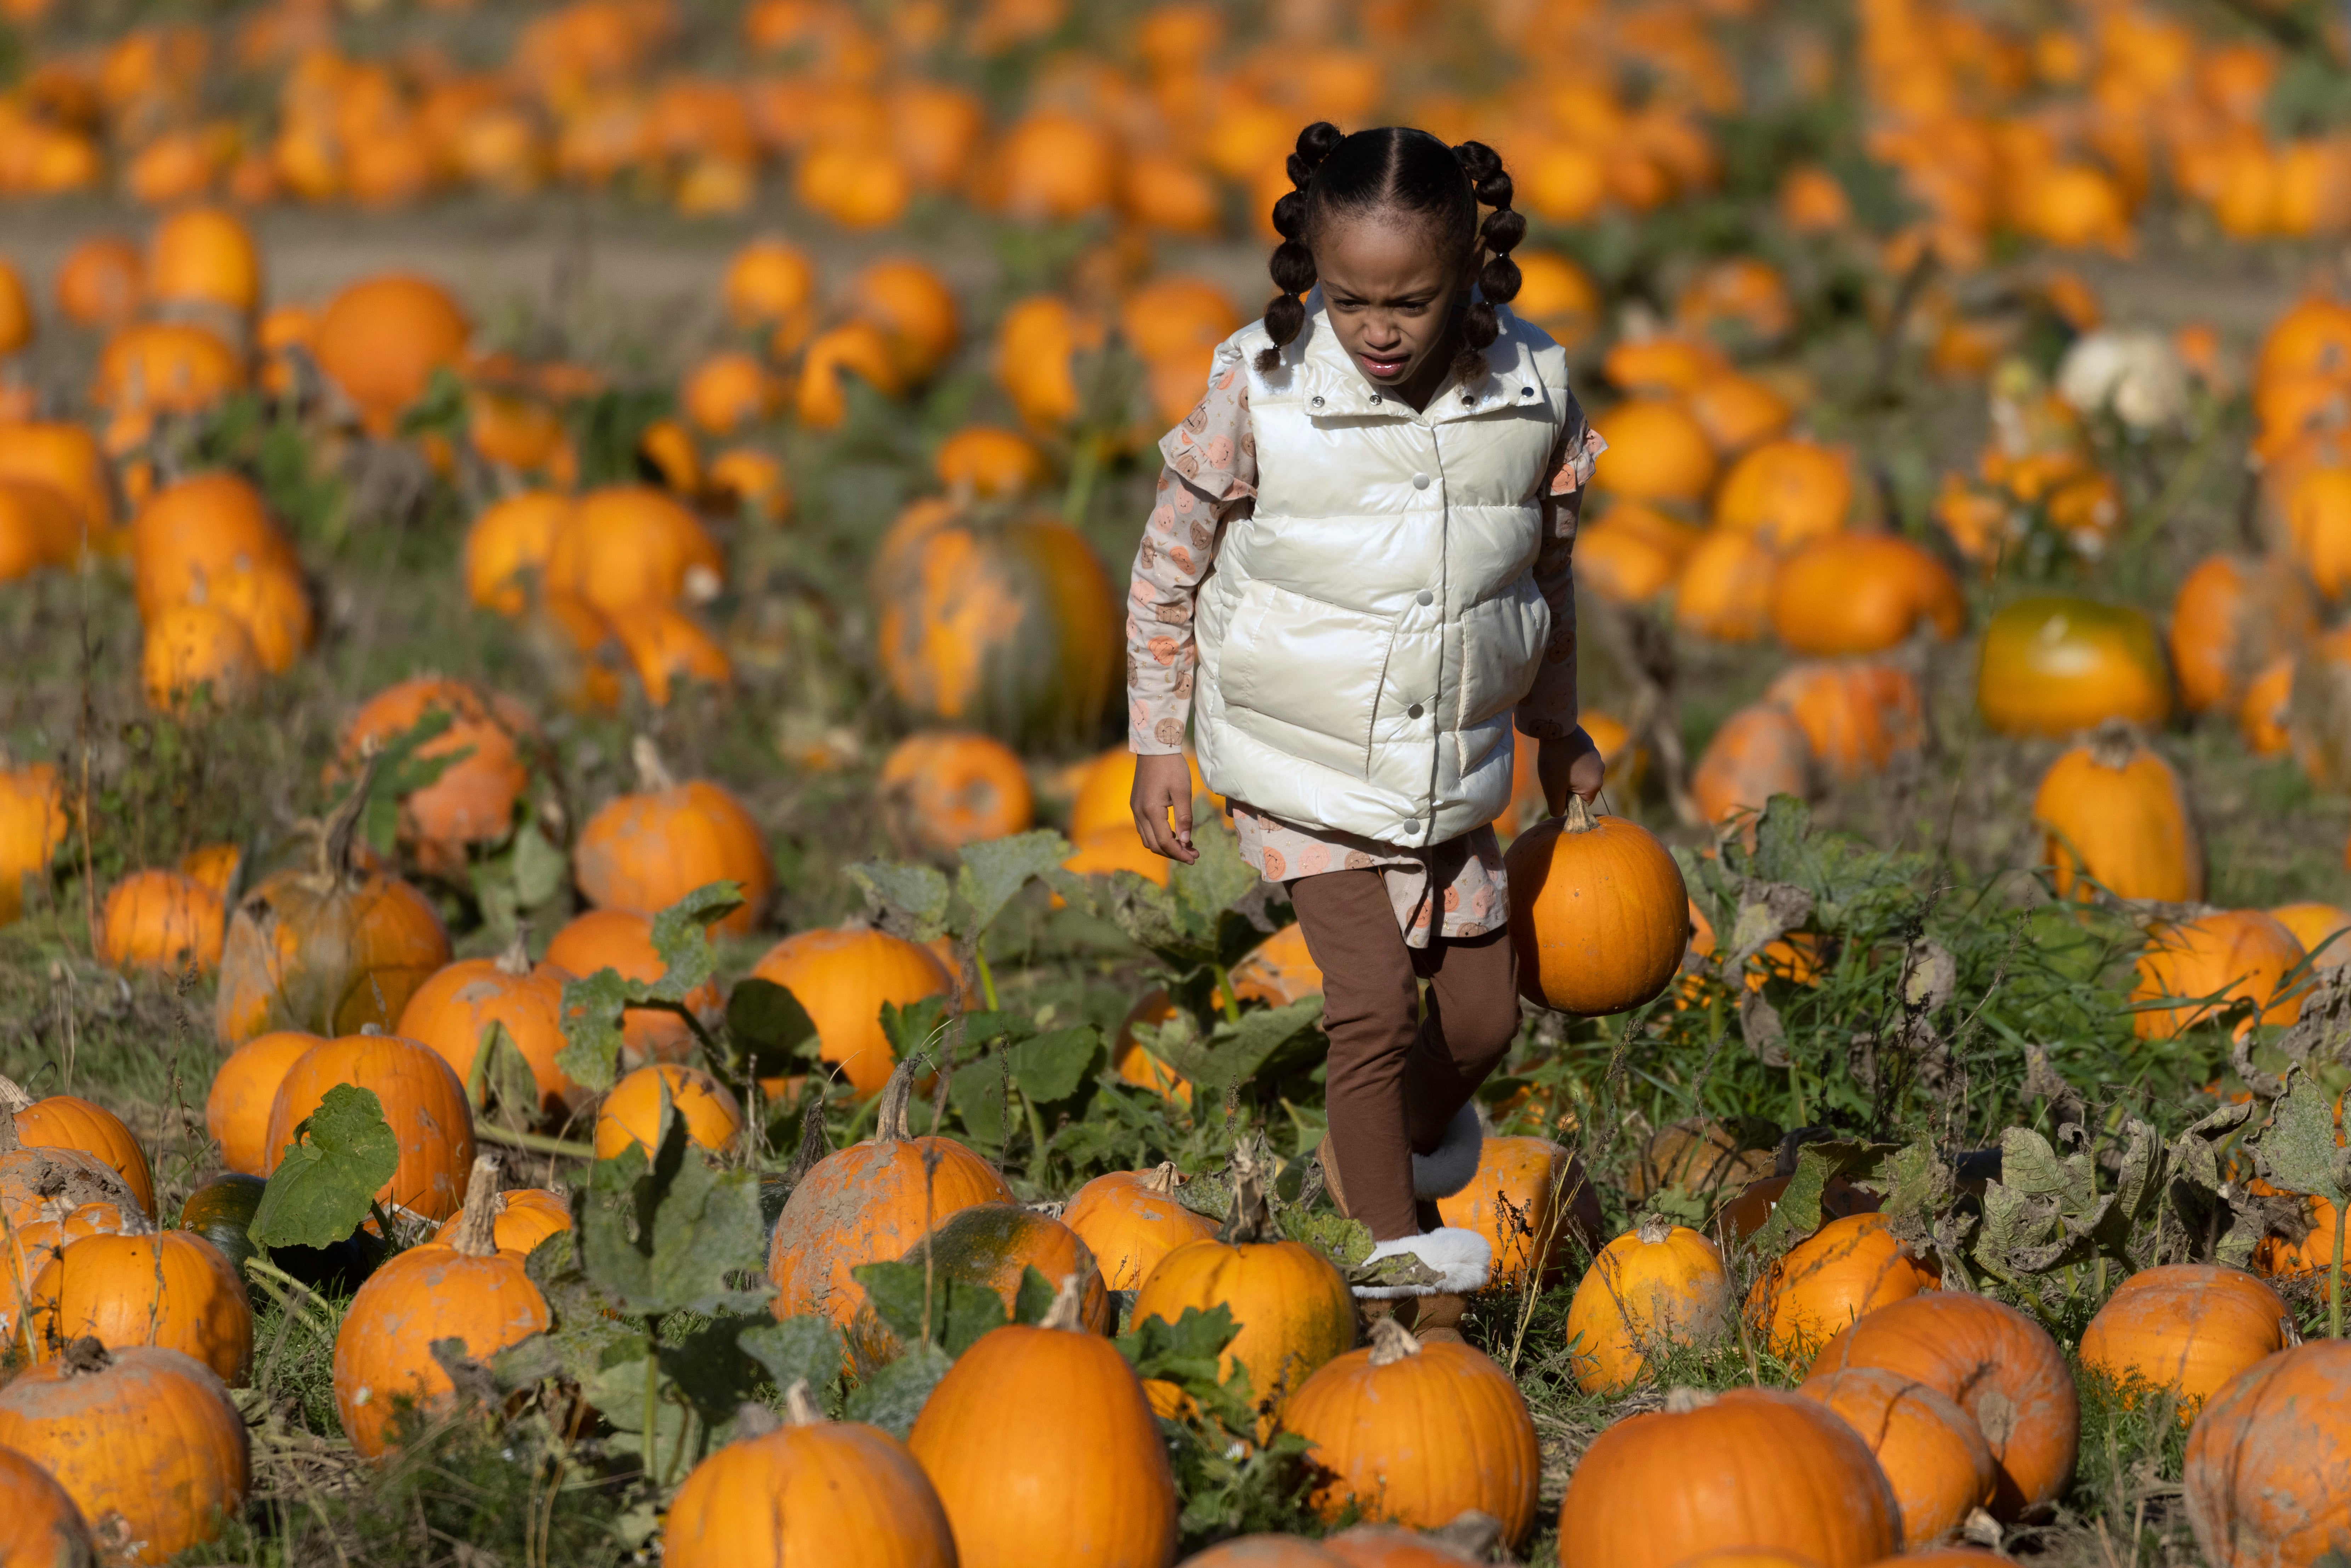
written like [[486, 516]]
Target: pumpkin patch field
[[578, 984]]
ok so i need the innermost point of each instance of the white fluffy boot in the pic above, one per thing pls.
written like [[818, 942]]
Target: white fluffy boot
[[1461, 1258], [1453, 1164]]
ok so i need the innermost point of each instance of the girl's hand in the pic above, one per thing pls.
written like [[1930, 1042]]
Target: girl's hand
[[1569, 764], [1163, 788]]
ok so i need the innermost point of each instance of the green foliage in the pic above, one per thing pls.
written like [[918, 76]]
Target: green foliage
[[326, 1178], [594, 1006], [401, 771]]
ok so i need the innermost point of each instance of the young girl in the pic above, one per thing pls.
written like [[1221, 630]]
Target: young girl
[[1358, 567]]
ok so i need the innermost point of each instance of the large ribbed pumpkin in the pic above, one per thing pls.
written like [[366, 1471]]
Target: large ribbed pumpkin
[[1932, 1452], [992, 1245], [2186, 1329], [464, 1289], [330, 948], [2236, 957], [2111, 811], [2051, 665], [868, 1203], [1754, 1469], [1994, 1362], [171, 1289], [622, 941], [1132, 1220], [841, 977], [1658, 1284], [423, 1104], [237, 1108], [942, 789], [473, 801], [1009, 627], [68, 1122], [452, 1011], [145, 1441], [807, 1492], [1846, 1269], [646, 850], [381, 338], [2263, 1476], [1045, 1454], [1371, 1413], [1598, 913], [1863, 594]]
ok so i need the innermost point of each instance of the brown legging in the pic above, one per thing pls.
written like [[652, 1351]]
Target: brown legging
[[1395, 1080]]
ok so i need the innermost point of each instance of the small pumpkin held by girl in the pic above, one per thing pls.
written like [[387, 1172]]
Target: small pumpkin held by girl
[[1385, 475]]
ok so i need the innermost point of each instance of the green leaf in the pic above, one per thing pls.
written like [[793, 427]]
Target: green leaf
[[995, 870], [1234, 1052], [767, 1025], [1780, 837], [961, 1311], [977, 1092], [979, 1027], [1212, 883], [795, 1350], [681, 938], [593, 1010], [1346, 1242], [894, 1396], [341, 1155], [540, 868], [1052, 1066], [1184, 1353], [2028, 1165], [504, 1090], [671, 1234], [2298, 1146], [913, 1029], [1798, 1213], [916, 895]]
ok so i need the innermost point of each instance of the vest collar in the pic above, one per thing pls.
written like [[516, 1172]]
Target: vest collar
[[1322, 375]]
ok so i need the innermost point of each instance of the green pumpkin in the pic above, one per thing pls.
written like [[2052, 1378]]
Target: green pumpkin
[[222, 1211]]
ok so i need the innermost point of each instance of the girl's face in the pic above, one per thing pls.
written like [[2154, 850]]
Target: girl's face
[[1391, 295]]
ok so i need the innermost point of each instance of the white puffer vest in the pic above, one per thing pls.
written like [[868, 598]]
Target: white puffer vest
[[1366, 632]]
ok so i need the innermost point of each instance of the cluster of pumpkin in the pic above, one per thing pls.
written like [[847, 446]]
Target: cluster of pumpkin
[[1162, 124], [2058, 135]]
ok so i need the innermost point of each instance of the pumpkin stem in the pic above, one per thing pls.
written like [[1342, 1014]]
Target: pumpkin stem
[[477, 1222], [340, 833], [890, 1117], [753, 1420], [13, 1097], [85, 1354], [516, 959], [1579, 815], [2113, 744], [1391, 1342], [1064, 1313], [1654, 1229], [799, 1405], [653, 775], [1251, 1217], [1162, 1180], [1682, 1401]]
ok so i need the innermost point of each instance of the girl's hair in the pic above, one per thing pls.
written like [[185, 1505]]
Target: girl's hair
[[1409, 173]]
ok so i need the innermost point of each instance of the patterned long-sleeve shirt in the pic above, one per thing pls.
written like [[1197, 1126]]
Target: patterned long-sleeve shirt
[[1456, 888]]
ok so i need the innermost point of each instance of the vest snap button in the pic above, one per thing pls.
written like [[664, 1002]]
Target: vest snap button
[[1426, 596], [1526, 392], [1375, 397], [1412, 827], [1318, 403], [1420, 481], [1412, 712]]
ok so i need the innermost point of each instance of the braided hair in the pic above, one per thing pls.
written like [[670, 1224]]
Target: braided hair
[[1411, 173]]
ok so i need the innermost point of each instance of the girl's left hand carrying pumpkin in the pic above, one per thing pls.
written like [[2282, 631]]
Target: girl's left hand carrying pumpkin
[[1569, 764]]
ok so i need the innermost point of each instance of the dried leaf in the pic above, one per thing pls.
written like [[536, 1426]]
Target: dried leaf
[[1760, 1026]]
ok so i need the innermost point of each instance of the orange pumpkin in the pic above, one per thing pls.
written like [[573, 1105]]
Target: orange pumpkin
[[423, 1104], [1844, 1270], [2051, 665], [1863, 594], [1994, 1362], [1600, 918], [243, 1087], [1788, 493], [1657, 451], [621, 941], [1724, 590], [1932, 1452], [1633, 553], [197, 655], [989, 461], [728, 391], [473, 800], [2185, 1328], [1053, 165], [455, 1009], [101, 282], [631, 1113], [1657, 1284], [626, 545], [2322, 929], [915, 311], [1760, 751], [644, 851], [465, 1289], [173, 1290], [66, 456], [2233, 617], [2113, 812], [2260, 1478], [771, 284], [1856, 716], [47, 1527], [1037, 340], [1803, 1482], [1279, 970], [993, 1245], [161, 920], [163, 367], [62, 1122], [2234, 957], [942, 789], [523, 1216], [381, 338], [856, 348], [868, 1203], [204, 255], [199, 530], [1131, 1219], [841, 978], [1739, 411], [1367, 1413]]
